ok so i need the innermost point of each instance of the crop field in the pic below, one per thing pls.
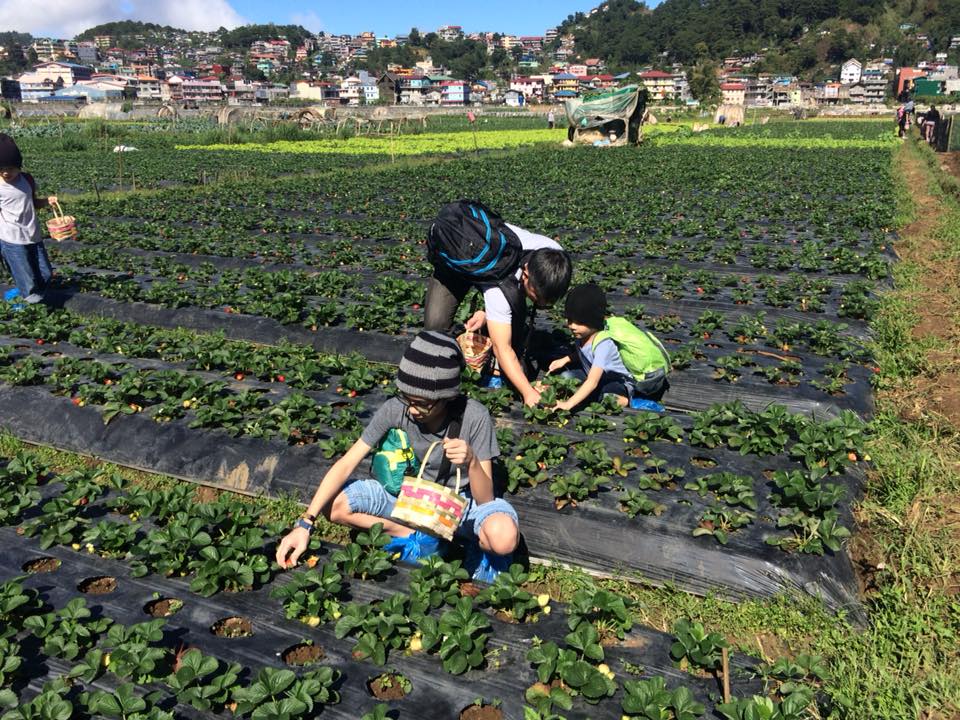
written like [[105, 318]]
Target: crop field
[[233, 323]]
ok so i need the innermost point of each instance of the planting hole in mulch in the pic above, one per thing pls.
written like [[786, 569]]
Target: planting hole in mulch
[[41, 565], [389, 686], [302, 654], [232, 627], [98, 585], [703, 462], [164, 607], [481, 712]]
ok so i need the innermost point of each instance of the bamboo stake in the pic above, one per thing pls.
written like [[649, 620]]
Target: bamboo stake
[[726, 674]]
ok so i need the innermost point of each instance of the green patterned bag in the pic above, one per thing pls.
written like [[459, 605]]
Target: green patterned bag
[[394, 458]]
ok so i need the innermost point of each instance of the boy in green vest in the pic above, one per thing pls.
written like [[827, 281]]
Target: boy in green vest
[[614, 356]]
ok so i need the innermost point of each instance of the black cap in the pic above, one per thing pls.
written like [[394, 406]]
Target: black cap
[[587, 305], [9, 152]]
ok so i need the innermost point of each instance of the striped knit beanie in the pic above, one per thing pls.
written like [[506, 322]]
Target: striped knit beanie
[[430, 368]]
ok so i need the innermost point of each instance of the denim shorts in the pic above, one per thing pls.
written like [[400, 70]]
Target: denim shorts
[[371, 498]]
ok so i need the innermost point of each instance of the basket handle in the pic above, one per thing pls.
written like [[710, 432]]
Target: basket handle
[[426, 457], [57, 210]]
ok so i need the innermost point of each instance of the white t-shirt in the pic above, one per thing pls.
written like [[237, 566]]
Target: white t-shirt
[[18, 219], [494, 301]]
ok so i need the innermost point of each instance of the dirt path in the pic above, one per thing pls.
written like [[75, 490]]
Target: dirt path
[[936, 302]]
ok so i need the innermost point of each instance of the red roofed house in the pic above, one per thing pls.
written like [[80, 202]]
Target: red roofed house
[[734, 93], [659, 84]]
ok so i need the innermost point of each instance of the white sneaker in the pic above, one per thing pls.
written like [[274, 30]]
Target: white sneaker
[[33, 298]]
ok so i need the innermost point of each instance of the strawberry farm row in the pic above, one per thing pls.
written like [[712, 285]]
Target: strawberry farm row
[[814, 367], [120, 586], [752, 479], [76, 157], [847, 297]]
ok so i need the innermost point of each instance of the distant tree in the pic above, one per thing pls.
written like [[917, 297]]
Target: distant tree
[[414, 37], [704, 85]]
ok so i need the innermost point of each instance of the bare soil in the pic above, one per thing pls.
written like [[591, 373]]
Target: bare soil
[[388, 686], [98, 585], [936, 302], [41, 565], [302, 654], [206, 494], [469, 589], [164, 607], [481, 712], [232, 627]]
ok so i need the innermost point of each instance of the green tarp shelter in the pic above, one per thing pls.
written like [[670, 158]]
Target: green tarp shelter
[[617, 114]]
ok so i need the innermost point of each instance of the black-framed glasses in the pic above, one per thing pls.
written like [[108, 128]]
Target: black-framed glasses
[[422, 406]]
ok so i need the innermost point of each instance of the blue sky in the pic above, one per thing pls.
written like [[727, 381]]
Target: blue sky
[[385, 17], [66, 18]]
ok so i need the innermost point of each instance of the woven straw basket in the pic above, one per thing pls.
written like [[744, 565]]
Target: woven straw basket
[[61, 227], [476, 349], [429, 506]]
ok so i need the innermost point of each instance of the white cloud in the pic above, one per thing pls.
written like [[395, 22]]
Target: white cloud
[[309, 19], [66, 18]]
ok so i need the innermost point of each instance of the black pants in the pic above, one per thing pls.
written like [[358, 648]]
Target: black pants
[[443, 298]]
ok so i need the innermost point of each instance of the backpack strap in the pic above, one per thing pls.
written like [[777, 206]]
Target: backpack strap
[[521, 320], [457, 408], [33, 187]]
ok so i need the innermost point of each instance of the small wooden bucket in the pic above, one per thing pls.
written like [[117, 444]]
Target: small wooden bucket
[[60, 226], [476, 349], [429, 506]]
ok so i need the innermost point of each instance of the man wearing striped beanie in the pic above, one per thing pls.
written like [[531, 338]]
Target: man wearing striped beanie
[[428, 408]]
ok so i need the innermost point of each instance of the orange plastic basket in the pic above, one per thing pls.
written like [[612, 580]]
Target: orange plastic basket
[[60, 226], [476, 349], [429, 506]]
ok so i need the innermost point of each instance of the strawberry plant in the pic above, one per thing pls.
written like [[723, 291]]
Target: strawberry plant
[[648, 426], [50, 704], [16, 604], [110, 539], [693, 645], [608, 613], [634, 502], [545, 413], [728, 488], [435, 583], [280, 695], [364, 558], [650, 699], [507, 595], [68, 632], [806, 491], [311, 595], [10, 662], [566, 673], [594, 459], [811, 533], [460, 637], [132, 654], [592, 423], [795, 706], [573, 488], [61, 523], [379, 627], [719, 521], [203, 681], [235, 563], [657, 474]]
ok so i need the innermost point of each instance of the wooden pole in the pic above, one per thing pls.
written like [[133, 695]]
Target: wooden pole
[[726, 675]]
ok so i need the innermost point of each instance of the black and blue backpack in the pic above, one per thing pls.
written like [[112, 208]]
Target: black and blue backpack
[[470, 241]]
